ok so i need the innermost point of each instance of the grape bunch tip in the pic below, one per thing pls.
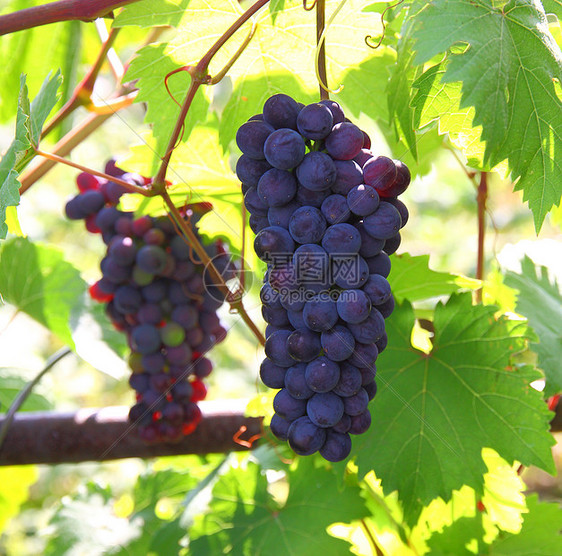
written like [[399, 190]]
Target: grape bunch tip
[[326, 215]]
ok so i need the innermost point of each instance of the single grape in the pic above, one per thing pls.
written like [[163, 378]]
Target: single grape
[[384, 222], [364, 355], [353, 306], [273, 241], [304, 345], [127, 299], [400, 207], [379, 264], [90, 202], [325, 409], [272, 375], [295, 319], [312, 265], [335, 209], [363, 200], [277, 187], [322, 374], [343, 424], [350, 381], [377, 289], [320, 313], [295, 382], [336, 447], [281, 111], [172, 334], [305, 437], [251, 138], [307, 225], [276, 316], [349, 272], [392, 243], [363, 157], [387, 307], [360, 423], [315, 121], [151, 258], [338, 343], [400, 183], [258, 223], [288, 407], [254, 202], [379, 172], [344, 141], [316, 171], [284, 149], [145, 339], [279, 427], [369, 330], [249, 170]]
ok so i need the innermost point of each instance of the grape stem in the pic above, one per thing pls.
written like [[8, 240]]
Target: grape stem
[[481, 199], [234, 301], [129, 186], [199, 77], [320, 24], [64, 10]]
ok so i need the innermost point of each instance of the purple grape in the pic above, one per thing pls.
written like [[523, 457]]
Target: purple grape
[[353, 306], [363, 200], [295, 382], [145, 339], [317, 171], [250, 170], [384, 222], [276, 348], [307, 225], [272, 241], [305, 437], [335, 209], [251, 138], [336, 110], [320, 313], [288, 407], [304, 345], [377, 288], [369, 330], [272, 375], [284, 149], [315, 121], [279, 427], [338, 343], [277, 187], [336, 447], [322, 374], [379, 264], [325, 409], [344, 141], [341, 239], [151, 259], [281, 111], [348, 175]]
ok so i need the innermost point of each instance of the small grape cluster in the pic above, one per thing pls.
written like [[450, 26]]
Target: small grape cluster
[[156, 291], [327, 217]]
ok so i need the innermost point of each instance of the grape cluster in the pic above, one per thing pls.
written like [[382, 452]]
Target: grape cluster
[[326, 216], [156, 292]]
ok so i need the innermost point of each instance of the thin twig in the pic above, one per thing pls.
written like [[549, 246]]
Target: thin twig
[[235, 302], [321, 45], [481, 198], [129, 186], [198, 77], [83, 91], [25, 392]]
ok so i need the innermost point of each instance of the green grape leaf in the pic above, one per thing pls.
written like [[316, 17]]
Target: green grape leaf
[[435, 412], [38, 281], [540, 533], [11, 384], [150, 66], [151, 13], [14, 489], [553, 7], [508, 71], [245, 517], [412, 279], [540, 301], [29, 122]]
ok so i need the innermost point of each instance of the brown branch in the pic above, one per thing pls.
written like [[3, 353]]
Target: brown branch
[[64, 10], [86, 435], [481, 198], [320, 24]]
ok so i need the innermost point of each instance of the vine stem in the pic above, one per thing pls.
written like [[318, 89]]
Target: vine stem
[[130, 187], [82, 93], [481, 199], [235, 303], [198, 77], [25, 392], [64, 10], [320, 24]]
